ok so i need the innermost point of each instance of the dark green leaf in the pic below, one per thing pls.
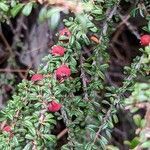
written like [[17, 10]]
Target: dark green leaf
[[16, 9]]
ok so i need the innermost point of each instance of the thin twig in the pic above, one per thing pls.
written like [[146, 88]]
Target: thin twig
[[129, 25], [2, 37], [118, 99], [126, 18], [10, 49], [62, 133], [105, 25], [84, 79], [103, 33], [13, 70], [67, 122], [104, 120]]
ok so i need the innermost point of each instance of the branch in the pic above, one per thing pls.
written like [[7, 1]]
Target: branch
[[129, 78], [129, 25], [109, 17], [103, 33], [62, 133], [14, 70], [8, 47], [118, 99], [83, 77], [67, 122], [104, 120]]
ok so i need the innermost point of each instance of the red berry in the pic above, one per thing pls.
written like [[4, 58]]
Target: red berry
[[58, 50], [53, 106], [7, 128], [63, 72], [37, 77], [145, 40], [65, 32]]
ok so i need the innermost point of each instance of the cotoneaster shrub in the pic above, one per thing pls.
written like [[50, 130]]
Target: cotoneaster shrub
[[68, 85]]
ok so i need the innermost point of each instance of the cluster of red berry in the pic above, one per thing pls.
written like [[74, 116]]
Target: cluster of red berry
[[61, 72], [64, 71]]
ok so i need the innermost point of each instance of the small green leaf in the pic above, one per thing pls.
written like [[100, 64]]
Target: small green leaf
[[149, 26], [72, 39], [97, 11], [3, 6], [115, 118], [54, 20], [15, 140], [49, 137], [82, 19], [27, 9], [92, 126], [89, 146], [28, 123], [42, 14], [111, 147], [16, 9], [28, 146], [134, 142], [30, 137], [94, 29], [137, 120], [146, 144], [104, 140], [13, 3], [52, 11], [32, 130], [101, 75]]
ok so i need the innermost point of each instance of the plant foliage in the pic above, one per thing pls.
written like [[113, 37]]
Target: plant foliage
[[89, 105]]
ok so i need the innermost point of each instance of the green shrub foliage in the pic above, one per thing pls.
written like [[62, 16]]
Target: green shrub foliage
[[88, 105]]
